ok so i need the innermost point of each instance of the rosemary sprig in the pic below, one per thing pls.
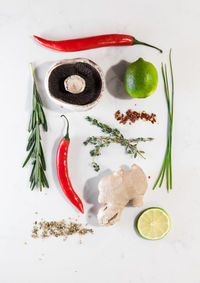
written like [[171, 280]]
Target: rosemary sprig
[[34, 146], [166, 168], [114, 136]]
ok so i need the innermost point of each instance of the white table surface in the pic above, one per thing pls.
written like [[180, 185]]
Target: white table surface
[[114, 254]]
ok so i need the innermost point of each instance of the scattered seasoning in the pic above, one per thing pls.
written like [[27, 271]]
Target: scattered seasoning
[[35, 232], [46, 229], [133, 116]]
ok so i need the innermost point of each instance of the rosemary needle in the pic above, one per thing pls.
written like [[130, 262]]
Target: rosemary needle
[[34, 146]]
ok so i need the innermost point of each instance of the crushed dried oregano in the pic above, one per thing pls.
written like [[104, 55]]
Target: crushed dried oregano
[[46, 229]]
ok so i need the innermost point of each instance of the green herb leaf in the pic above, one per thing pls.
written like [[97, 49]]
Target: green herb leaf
[[95, 166]]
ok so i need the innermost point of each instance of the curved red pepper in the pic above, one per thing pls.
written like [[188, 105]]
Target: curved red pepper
[[62, 171], [91, 42]]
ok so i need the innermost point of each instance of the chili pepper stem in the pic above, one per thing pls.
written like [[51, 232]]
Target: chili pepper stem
[[135, 42], [66, 137]]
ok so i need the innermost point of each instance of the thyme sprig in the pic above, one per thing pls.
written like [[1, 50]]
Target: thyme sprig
[[34, 146], [114, 136], [166, 169]]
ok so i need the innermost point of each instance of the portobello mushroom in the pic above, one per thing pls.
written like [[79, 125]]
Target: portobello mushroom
[[77, 82]]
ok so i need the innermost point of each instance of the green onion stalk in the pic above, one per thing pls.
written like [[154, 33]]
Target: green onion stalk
[[166, 169]]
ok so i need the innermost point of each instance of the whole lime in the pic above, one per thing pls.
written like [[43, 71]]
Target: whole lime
[[141, 79]]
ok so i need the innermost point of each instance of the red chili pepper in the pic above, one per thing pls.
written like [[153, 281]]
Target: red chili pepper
[[62, 171], [91, 42]]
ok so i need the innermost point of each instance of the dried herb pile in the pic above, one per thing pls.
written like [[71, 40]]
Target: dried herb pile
[[46, 229]]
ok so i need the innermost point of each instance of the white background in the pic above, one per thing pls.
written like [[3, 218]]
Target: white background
[[115, 254]]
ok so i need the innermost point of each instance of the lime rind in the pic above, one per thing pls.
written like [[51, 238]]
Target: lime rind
[[148, 210]]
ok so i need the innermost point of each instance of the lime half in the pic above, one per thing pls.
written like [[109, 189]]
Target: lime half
[[154, 223]]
